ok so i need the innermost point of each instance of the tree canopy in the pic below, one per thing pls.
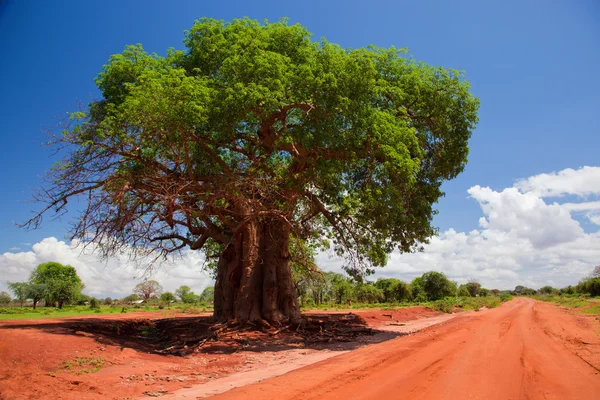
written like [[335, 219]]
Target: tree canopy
[[255, 130], [59, 283], [148, 289]]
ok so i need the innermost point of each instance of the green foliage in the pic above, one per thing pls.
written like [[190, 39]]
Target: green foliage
[[589, 286], [352, 146], [94, 304], [505, 297], [401, 291], [5, 298], [208, 294], [130, 298], [366, 293], [83, 299], [435, 285], [148, 289], [449, 304], [36, 292], [63, 285], [418, 292], [523, 291], [548, 290], [463, 291], [20, 290], [108, 301], [473, 287], [168, 297], [386, 285], [182, 292]]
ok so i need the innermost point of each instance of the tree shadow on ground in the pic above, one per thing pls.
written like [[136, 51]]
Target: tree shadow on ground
[[185, 335]]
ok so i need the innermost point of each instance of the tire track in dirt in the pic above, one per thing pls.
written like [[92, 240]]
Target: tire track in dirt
[[504, 353]]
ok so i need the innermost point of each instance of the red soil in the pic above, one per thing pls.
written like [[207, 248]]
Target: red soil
[[33, 356], [521, 350]]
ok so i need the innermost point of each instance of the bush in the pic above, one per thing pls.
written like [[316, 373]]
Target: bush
[[94, 304], [505, 297], [590, 286]]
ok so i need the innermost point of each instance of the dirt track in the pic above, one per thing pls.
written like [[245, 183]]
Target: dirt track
[[521, 350]]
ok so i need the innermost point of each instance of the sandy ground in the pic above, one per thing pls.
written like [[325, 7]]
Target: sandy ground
[[520, 350], [55, 358]]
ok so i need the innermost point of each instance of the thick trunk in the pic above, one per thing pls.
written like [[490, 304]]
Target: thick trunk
[[254, 280]]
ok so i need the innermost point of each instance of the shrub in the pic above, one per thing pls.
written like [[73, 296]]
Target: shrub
[[94, 304]]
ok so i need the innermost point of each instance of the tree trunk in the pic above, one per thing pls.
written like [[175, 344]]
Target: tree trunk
[[34, 304], [254, 280]]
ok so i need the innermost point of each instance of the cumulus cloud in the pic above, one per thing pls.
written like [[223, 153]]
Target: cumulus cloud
[[521, 240], [115, 277], [526, 215], [581, 182]]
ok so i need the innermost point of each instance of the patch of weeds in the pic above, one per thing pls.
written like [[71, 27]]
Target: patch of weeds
[[84, 365], [592, 310]]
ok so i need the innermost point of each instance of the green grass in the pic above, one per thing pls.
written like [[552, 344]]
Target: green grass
[[21, 313], [445, 305], [449, 304], [594, 309], [356, 306], [84, 365], [571, 301]]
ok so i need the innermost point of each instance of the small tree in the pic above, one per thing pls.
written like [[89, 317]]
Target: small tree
[[63, 285], [4, 298], [473, 287], [401, 291], [341, 288], [130, 298], [148, 289], [182, 292], [418, 293], [168, 297], [595, 272], [19, 289], [367, 293], [36, 292], [208, 294], [94, 304], [436, 285], [547, 290], [108, 301], [387, 285]]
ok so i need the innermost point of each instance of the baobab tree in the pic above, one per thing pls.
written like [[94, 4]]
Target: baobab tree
[[147, 289], [255, 138]]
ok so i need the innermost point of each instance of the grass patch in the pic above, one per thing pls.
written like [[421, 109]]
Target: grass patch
[[18, 313], [595, 309], [357, 306], [450, 304], [571, 301], [84, 365]]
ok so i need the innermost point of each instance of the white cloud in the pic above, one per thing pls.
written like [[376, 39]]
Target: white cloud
[[527, 215], [521, 240], [594, 218], [581, 182], [115, 277]]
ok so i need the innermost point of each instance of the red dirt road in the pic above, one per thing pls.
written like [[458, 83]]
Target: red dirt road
[[521, 350]]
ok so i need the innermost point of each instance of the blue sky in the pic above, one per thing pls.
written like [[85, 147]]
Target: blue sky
[[533, 64]]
